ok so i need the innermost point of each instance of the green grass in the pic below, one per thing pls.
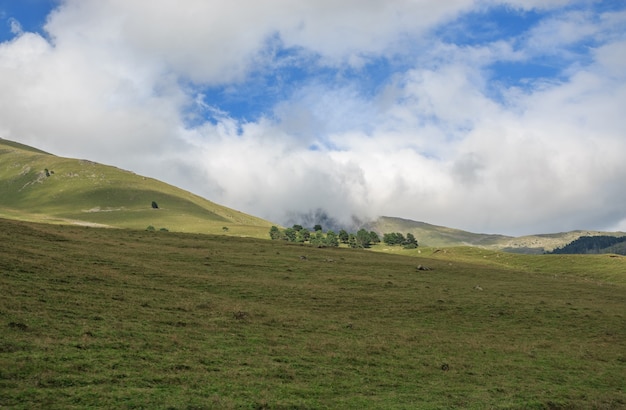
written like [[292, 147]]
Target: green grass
[[433, 235], [118, 318], [86, 193]]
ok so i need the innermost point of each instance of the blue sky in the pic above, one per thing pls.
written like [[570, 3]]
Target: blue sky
[[485, 115], [31, 15], [260, 91]]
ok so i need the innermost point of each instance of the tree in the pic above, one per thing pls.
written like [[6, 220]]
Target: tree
[[410, 242], [318, 239], [154, 205], [274, 233], [390, 238], [352, 241], [290, 234], [393, 238], [297, 228], [374, 237], [343, 236], [399, 238], [332, 239], [363, 239], [303, 235], [317, 228]]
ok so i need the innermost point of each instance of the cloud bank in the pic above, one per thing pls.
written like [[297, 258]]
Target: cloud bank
[[399, 108]]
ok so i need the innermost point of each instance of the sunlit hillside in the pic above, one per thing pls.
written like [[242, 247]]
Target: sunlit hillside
[[37, 186]]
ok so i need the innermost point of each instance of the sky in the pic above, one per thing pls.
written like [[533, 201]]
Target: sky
[[489, 116]]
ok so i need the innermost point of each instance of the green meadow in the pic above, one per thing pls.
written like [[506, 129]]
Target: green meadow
[[123, 318]]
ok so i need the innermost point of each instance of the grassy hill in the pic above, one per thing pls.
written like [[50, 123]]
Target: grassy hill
[[37, 186], [433, 235], [440, 236], [116, 318]]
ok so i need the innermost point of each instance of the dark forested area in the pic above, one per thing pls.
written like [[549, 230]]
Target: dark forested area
[[595, 244]]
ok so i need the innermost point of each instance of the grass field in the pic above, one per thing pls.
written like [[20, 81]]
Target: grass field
[[116, 318]]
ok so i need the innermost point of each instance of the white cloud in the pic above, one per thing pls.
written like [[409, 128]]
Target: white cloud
[[118, 82], [552, 35], [220, 41], [15, 26], [537, 4]]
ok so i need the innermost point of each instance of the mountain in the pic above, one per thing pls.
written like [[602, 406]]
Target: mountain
[[38, 186], [433, 235], [440, 236]]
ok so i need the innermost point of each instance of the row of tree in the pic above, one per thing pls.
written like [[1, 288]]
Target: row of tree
[[361, 239], [396, 238]]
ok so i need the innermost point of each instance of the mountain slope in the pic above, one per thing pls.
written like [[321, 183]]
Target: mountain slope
[[440, 236], [594, 245], [433, 235], [38, 186]]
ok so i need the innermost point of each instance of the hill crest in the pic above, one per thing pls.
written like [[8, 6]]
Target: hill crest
[[38, 186]]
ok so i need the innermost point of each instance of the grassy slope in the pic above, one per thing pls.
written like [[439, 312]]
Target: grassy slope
[[433, 235], [134, 319], [83, 192]]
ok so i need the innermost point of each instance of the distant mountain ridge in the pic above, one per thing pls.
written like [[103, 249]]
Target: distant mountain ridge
[[441, 236], [38, 186]]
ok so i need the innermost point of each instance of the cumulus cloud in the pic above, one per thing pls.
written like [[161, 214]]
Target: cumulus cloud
[[438, 139]]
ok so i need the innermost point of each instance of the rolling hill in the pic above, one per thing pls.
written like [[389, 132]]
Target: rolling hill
[[433, 235], [441, 236], [41, 187]]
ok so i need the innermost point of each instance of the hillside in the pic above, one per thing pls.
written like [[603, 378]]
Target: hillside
[[188, 321], [594, 245], [38, 186], [433, 235], [440, 236]]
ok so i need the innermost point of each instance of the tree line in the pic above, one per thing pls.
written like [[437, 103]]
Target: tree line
[[361, 239]]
